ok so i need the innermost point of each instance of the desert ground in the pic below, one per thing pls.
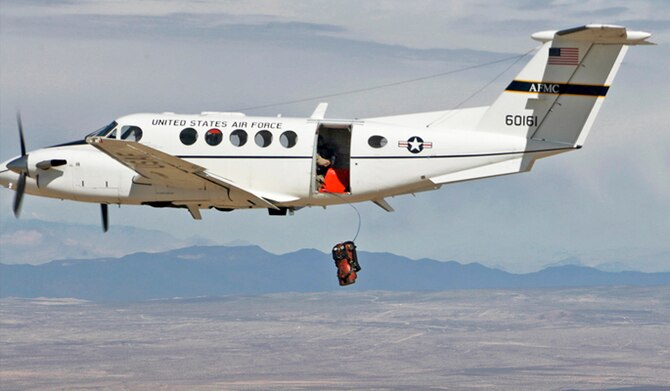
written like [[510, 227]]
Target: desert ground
[[562, 339]]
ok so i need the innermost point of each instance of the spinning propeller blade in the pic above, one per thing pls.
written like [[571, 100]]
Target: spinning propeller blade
[[105, 217], [18, 198], [20, 124], [20, 166]]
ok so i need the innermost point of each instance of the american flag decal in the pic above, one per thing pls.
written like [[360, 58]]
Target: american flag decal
[[563, 56]]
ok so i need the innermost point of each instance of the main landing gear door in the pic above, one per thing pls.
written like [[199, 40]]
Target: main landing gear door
[[332, 158]]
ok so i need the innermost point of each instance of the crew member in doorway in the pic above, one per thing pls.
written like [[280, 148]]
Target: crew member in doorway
[[325, 158]]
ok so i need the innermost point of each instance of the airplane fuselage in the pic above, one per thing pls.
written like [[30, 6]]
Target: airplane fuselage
[[276, 157]]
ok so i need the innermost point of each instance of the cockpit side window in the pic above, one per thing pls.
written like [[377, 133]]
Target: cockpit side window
[[106, 130], [131, 133]]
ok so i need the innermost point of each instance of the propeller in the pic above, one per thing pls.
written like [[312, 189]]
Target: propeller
[[19, 166], [18, 198], [20, 125], [105, 217]]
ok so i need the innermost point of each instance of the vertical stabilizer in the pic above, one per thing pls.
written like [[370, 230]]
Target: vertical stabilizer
[[556, 97]]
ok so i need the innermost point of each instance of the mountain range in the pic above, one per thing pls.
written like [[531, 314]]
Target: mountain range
[[199, 271], [33, 241]]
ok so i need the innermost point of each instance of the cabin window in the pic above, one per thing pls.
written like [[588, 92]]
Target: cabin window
[[213, 137], [188, 136], [131, 133], [263, 138], [377, 141], [238, 137], [288, 139]]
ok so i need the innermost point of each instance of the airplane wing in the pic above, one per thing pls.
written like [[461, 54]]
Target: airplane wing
[[158, 167]]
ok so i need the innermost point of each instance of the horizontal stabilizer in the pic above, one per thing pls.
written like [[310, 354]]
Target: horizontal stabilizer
[[512, 166], [596, 33]]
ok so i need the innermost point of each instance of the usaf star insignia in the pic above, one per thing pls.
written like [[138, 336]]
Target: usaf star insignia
[[415, 144]]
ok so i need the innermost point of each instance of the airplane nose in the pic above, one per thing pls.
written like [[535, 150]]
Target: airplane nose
[[19, 164], [7, 178]]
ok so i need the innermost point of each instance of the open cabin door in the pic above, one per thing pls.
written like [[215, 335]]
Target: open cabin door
[[332, 158]]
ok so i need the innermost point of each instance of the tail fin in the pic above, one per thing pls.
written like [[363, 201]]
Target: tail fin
[[556, 97]]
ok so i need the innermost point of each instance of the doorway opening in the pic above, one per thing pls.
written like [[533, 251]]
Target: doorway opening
[[332, 158]]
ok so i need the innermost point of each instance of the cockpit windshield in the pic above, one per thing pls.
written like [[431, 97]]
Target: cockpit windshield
[[116, 131], [106, 131]]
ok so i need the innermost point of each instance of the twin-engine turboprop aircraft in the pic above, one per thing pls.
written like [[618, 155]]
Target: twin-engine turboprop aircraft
[[230, 161]]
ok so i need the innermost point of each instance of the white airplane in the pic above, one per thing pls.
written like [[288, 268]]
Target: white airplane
[[231, 161]]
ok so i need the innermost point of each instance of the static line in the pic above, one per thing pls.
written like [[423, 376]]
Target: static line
[[461, 103], [397, 83], [358, 230]]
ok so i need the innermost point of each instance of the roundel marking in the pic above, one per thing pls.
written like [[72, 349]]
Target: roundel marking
[[415, 144]]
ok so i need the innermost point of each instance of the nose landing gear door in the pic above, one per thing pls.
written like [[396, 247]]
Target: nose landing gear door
[[332, 158]]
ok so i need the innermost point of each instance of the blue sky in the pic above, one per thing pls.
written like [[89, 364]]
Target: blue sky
[[72, 66]]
